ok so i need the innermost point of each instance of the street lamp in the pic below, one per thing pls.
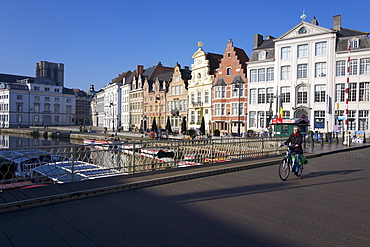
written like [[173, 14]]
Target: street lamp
[[238, 86], [158, 100], [112, 105]]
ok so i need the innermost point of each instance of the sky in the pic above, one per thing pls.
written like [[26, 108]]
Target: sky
[[96, 40]]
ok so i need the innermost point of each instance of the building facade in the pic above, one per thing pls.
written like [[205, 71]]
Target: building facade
[[302, 74], [200, 88], [229, 92]]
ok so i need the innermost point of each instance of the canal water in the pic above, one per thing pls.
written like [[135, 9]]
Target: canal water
[[24, 141]]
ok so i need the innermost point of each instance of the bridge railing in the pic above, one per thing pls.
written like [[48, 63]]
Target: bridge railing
[[60, 164]]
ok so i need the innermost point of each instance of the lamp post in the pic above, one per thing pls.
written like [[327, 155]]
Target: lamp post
[[158, 100], [238, 84], [112, 105]]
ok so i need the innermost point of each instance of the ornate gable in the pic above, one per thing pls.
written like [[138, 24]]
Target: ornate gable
[[304, 29]]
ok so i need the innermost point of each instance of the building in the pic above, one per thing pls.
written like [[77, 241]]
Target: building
[[177, 98], [54, 71], [200, 87], [229, 94], [302, 74], [35, 102]]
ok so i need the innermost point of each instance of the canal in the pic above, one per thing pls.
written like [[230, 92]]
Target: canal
[[8, 141]]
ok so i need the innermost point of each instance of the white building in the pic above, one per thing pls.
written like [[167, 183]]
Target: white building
[[200, 87], [35, 102], [304, 71]]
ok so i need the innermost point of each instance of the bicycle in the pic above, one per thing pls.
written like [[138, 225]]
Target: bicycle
[[286, 166]]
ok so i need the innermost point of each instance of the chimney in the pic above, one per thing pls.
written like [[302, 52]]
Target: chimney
[[186, 67], [337, 22], [139, 70], [257, 40], [314, 21], [269, 37]]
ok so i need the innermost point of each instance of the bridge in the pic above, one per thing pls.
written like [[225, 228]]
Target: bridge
[[239, 203]]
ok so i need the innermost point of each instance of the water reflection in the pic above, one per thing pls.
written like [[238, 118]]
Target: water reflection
[[24, 141]]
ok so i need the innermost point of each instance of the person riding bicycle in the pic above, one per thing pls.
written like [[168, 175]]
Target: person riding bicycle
[[294, 142]]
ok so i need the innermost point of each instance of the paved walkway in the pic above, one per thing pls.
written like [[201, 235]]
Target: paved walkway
[[189, 207]]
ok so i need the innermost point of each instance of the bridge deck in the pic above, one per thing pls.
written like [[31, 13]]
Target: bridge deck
[[327, 206]]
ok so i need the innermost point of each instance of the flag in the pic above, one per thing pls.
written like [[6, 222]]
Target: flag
[[281, 112]]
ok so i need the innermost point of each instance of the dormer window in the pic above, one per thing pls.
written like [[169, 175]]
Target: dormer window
[[354, 43], [262, 55]]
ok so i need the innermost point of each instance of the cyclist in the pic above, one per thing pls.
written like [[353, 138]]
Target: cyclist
[[294, 142]]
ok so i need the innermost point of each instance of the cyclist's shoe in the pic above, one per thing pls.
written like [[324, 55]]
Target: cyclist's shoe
[[296, 173]]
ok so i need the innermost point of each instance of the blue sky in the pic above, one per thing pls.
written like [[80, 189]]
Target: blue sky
[[98, 39]]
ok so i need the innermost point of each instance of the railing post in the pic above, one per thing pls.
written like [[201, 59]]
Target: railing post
[[73, 163], [133, 158]]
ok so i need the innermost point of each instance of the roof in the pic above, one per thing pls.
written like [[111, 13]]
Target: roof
[[214, 61], [345, 32], [164, 77], [12, 78], [220, 82], [120, 77]]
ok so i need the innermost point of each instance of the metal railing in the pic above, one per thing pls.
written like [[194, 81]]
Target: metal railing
[[60, 164]]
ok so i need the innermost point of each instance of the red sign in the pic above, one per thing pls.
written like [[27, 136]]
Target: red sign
[[303, 116]]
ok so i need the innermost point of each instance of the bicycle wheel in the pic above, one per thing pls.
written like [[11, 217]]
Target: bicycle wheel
[[300, 170], [284, 169]]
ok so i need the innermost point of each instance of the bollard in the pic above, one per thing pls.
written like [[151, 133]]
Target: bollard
[[336, 137], [322, 139], [329, 137]]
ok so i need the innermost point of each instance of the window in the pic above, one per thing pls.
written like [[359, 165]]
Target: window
[[320, 49], [228, 71], [261, 75], [285, 53], [69, 100], [223, 110], [261, 119], [286, 114], [46, 107], [36, 88], [47, 99], [252, 119], [253, 96], [302, 95], [56, 90], [270, 94], [285, 94], [270, 74], [341, 68], [20, 97], [19, 107], [56, 108], [320, 93], [37, 98], [302, 71], [228, 54], [303, 51], [192, 117], [262, 55], [192, 98], [220, 92], [353, 43], [217, 109], [352, 94], [56, 99], [319, 119], [68, 109], [351, 120], [353, 67], [320, 69], [36, 107], [234, 109], [363, 119], [364, 91], [285, 72], [206, 96], [56, 119], [47, 89], [365, 66], [261, 96], [253, 75], [19, 118], [199, 97], [340, 92]]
